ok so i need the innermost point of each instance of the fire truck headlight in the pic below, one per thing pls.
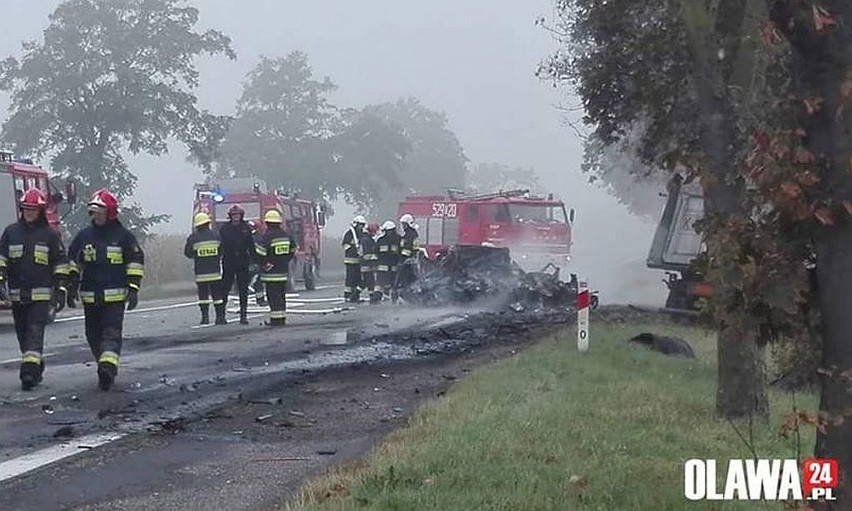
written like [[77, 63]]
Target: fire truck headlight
[[218, 198]]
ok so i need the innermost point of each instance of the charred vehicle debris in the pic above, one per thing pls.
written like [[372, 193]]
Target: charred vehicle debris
[[461, 275]]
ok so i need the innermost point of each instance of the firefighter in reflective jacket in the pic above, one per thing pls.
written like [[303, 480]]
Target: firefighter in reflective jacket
[[387, 248], [274, 250], [109, 264], [352, 259], [33, 259], [369, 258], [409, 245], [203, 247]]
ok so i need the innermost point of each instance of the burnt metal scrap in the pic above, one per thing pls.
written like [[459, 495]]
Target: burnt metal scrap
[[466, 274]]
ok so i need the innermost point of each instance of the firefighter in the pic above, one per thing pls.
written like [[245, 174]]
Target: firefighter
[[107, 263], [369, 258], [387, 248], [33, 258], [237, 248], [274, 251], [352, 259], [409, 245], [203, 247]]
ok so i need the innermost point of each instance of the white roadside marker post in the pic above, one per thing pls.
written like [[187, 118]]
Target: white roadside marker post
[[583, 317]]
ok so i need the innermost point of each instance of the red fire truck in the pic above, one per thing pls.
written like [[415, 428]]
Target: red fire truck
[[303, 219], [536, 230], [18, 176]]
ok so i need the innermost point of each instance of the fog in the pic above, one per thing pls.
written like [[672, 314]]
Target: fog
[[472, 59]]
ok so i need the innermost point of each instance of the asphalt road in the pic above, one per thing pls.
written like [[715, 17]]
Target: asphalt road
[[174, 371]]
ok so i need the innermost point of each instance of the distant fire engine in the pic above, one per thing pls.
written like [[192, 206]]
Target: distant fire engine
[[17, 175], [303, 219], [536, 230]]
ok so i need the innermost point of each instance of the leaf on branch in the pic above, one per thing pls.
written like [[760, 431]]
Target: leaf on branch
[[822, 19], [803, 156], [769, 33], [791, 189], [808, 179], [813, 105], [824, 216]]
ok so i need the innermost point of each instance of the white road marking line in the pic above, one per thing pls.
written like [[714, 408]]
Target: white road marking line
[[319, 300], [234, 310], [232, 320], [19, 358], [29, 462], [134, 311], [335, 310]]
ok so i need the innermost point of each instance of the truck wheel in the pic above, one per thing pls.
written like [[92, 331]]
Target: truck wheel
[[310, 277]]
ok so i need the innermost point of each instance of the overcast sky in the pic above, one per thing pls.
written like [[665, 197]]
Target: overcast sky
[[472, 59]]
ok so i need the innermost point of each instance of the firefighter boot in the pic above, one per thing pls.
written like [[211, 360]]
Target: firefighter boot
[[220, 314], [243, 316], [205, 314], [106, 375], [30, 375]]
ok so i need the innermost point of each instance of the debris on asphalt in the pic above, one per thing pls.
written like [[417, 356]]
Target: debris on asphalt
[[64, 432], [288, 458], [465, 274], [47, 409], [327, 452], [263, 418], [673, 346], [295, 413]]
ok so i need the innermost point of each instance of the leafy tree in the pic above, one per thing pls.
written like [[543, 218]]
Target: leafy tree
[[288, 133], [112, 76], [436, 160], [494, 177], [682, 71]]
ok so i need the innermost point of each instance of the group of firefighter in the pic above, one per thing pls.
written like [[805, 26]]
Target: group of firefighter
[[226, 254], [379, 263], [104, 266]]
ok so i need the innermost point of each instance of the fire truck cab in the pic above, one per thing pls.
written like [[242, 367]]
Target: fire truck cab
[[17, 175], [536, 230], [303, 219]]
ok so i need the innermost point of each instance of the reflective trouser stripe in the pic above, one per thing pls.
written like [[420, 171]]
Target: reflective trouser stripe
[[115, 295], [348, 289], [351, 260], [406, 252], [109, 357], [277, 314], [205, 302], [273, 277], [31, 357], [3, 261], [87, 296], [208, 277], [218, 302]]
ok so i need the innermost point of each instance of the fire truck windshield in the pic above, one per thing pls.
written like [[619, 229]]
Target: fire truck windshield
[[537, 214], [252, 211]]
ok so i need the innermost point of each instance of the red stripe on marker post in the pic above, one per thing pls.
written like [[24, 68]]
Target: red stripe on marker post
[[583, 317]]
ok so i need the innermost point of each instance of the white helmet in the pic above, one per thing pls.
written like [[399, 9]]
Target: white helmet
[[359, 220], [388, 226], [406, 219]]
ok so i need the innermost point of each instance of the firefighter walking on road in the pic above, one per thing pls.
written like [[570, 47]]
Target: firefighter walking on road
[[369, 258], [387, 248], [108, 263], [32, 257], [352, 259], [274, 251], [203, 247], [408, 247], [237, 249]]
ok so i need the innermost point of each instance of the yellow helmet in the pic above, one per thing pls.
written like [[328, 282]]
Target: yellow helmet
[[200, 219], [272, 217]]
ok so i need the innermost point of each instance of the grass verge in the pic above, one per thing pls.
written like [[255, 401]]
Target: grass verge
[[551, 429]]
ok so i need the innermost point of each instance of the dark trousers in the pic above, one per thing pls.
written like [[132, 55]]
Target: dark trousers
[[210, 292], [104, 324], [353, 281], [385, 284], [30, 320], [368, 277], [241, 274], [276, 295]]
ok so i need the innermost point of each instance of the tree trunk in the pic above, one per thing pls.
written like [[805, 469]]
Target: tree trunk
[[741, 384], [834, 274]]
